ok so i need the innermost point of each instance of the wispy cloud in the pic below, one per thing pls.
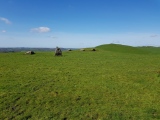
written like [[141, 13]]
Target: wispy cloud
[[154, 36], [5, 20], [40, 29], [3, 31], [52, 36]]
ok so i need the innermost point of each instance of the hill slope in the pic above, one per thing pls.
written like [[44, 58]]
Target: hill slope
[[128, 49], [150, 49]]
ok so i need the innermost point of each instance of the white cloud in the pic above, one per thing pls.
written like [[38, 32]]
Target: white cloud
[[5, 20], [40, 29], [3, 31]]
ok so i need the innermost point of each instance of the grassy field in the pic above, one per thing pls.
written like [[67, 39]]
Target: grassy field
[[113, 83]]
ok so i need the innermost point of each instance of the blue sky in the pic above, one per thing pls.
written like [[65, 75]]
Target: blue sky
[[79, 23]]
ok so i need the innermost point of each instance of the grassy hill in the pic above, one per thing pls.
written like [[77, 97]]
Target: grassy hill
[[129, 49], [81, 85], [151, 49]]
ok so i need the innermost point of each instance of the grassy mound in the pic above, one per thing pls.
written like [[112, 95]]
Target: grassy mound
[[122, 49], [150, 49]]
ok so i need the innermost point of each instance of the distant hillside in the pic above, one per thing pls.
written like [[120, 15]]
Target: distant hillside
[[150, 49], [18, 49], [123, 49]]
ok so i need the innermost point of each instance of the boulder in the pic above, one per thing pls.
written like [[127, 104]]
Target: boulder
[[58, 51], [30, 52]]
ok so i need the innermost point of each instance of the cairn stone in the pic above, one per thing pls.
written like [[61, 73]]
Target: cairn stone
[[30, 52], [58, 51], [93, 49]]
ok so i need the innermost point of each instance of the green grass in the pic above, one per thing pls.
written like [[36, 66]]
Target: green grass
[[124, 49], [80, 85]]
